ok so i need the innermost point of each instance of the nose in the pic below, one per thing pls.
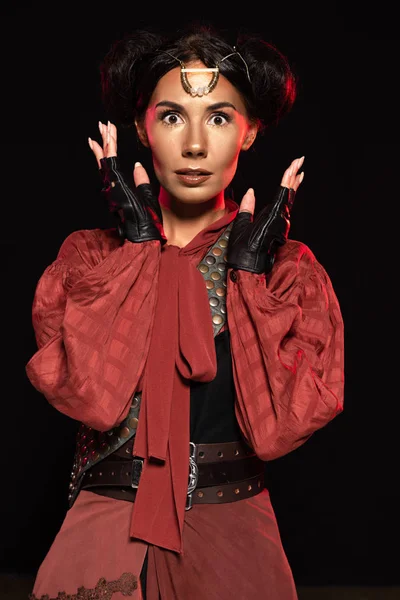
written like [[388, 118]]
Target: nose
[[194, 143]]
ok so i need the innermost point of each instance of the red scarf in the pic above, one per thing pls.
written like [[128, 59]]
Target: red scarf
[[182, 350]]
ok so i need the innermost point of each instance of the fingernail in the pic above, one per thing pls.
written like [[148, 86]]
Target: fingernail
[[251, 191], [301, 176], [137, 164], [90, 143], [101, 127]]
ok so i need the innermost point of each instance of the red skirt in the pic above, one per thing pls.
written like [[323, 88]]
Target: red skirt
[[230, 550]]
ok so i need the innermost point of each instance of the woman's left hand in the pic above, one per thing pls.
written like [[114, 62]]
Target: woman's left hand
[[253, 245]]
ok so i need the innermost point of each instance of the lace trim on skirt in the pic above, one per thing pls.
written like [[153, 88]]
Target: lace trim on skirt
[[104, 590]]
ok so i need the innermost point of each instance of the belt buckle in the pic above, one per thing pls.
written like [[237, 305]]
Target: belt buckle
[[137, 465], [193, 475]]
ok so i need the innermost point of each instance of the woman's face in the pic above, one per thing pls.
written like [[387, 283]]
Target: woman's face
[[195, 141]]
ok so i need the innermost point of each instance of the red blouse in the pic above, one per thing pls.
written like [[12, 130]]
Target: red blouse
[[93, 312]]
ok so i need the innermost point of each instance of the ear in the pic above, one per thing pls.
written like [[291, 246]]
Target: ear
[[250, 136], [141, 131]]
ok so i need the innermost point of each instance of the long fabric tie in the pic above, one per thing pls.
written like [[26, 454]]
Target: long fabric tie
[[182, 350]]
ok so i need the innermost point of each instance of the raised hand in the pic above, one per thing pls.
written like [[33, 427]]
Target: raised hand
[[253, 243], [138, 211]]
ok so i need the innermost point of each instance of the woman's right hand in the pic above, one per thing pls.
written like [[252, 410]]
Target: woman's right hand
[[138, 210]]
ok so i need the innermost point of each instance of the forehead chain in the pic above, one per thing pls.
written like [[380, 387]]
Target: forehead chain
[[206, 89]]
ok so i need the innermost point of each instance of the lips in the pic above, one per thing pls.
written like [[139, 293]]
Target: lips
[[193, 177], [192, 172]]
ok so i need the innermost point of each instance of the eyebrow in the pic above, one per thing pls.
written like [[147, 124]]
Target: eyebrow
[[211, 107]]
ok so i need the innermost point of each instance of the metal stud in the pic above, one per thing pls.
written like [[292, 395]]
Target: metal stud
[[220, 493], [217, 319]]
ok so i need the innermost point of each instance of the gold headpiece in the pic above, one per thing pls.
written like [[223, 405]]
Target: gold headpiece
[[206, 89]]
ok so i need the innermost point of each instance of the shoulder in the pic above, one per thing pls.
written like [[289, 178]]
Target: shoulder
[[295, 252], [88, 245], [296, 266], [295, 257]]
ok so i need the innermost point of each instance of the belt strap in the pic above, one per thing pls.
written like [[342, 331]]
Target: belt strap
[[210, 453], [205, 453], [226, 472], [214, 494], [127, 473]]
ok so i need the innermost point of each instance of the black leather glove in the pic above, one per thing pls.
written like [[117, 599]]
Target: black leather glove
[[253, 244], [138, 211]]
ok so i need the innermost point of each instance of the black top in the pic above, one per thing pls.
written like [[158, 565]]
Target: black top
[[212, 414]]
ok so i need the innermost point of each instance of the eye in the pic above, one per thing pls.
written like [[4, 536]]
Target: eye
[[170, 118], [220, 119]]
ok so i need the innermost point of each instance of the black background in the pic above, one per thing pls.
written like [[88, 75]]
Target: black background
[[336, 498]]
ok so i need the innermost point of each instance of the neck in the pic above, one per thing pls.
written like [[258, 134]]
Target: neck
[[183, 221]]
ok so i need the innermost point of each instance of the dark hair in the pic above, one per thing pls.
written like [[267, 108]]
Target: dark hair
[[136, 62]]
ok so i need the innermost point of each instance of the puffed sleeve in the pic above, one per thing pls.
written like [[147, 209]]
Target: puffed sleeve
[[287, 339], [92, 315]]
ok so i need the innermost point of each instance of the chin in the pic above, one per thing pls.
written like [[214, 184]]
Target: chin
[[194, 195]]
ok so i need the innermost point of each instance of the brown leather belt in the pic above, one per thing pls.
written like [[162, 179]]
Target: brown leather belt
[[218, 473]]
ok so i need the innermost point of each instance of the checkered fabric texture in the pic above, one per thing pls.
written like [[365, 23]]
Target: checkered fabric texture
[[287, 342], [93, 312]]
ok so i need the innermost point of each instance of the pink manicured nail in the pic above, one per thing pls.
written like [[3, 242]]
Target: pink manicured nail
[[90, 143]]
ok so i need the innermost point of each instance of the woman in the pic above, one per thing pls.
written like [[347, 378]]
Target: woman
[[193, 342]]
